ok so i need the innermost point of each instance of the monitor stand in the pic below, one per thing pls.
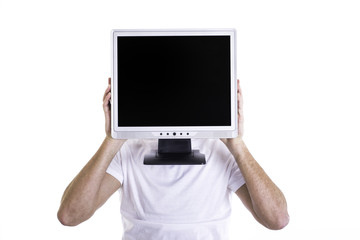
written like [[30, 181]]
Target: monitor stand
[[174, 152]]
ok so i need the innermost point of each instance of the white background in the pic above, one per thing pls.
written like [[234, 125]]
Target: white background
[[298, 63]]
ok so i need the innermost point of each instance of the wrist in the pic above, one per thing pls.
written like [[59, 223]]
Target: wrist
[[232, 143], [237, 148], [113, 141]]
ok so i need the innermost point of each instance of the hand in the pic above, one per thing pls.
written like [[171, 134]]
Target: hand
[[232, 142], [107, 109]]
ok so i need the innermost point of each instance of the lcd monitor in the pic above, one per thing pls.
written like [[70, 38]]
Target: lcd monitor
[[174, 84]]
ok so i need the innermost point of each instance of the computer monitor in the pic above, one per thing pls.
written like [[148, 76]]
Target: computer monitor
[[174, 84]]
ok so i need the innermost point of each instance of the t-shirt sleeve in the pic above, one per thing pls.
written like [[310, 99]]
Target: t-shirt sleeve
[[236, 179], [115, 167]]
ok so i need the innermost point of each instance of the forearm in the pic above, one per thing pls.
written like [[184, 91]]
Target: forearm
[[269, 203], [80, 198]]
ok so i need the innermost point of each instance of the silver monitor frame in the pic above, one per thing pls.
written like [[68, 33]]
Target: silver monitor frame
[[165, 132]]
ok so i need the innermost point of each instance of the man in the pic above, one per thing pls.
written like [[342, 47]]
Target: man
[[174, 202]]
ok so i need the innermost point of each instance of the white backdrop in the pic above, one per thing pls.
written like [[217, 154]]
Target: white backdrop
[[298, 63]]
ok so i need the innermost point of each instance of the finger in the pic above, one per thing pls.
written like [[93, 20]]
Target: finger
[[238, 87], [240, 99], [106, 101], [240, 107], [108, 90], [239, 95]]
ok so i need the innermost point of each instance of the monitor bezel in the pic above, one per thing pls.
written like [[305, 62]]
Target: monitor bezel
[[166, 132]]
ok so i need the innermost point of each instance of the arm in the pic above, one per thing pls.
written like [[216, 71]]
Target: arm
[[260, 195], [92, 186]]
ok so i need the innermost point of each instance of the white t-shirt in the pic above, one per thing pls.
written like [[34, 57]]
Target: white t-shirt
[[176, 201]]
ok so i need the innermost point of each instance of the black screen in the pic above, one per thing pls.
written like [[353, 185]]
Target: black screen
[[174, 81]]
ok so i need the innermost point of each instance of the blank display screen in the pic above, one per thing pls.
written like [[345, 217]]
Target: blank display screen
[[174, 81]]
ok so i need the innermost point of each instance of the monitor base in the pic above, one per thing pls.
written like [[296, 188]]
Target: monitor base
[[174, 152]]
